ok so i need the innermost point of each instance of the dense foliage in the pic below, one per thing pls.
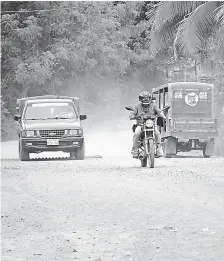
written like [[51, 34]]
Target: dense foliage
[[94, 50], [104, 52]]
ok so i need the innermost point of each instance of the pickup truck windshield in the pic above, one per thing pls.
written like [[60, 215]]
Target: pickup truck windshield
[[50, 110]]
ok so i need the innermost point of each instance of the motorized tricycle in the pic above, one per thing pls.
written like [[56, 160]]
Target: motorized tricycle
[[192, 119]]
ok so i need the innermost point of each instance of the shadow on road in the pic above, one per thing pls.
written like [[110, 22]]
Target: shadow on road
[[52, 159]]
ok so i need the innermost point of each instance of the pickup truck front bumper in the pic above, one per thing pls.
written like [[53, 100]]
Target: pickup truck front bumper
[[41, 144]]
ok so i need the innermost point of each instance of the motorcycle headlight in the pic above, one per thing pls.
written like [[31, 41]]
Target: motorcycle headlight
[[149, 123], [30, 133]]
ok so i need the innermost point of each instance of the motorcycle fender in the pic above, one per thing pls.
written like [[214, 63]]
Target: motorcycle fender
[[170, 144]]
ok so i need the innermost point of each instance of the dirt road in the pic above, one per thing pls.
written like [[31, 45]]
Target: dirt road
[[109, 208]]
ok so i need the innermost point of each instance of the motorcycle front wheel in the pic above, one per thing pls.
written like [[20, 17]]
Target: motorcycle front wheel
[[151, 156]]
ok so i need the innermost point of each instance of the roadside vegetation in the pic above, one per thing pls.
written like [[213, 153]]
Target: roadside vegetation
[[106, 52]]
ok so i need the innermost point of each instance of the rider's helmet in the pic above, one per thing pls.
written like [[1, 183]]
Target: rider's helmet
[[144, 98]]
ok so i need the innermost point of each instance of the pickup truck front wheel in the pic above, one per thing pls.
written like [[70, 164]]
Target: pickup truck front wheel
[[72, 155], [80, 152], [23, 154]]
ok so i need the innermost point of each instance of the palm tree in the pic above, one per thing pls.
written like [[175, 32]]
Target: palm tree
[[186, 25]]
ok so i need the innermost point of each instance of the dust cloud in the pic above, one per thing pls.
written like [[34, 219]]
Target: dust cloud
[[104, 101], [107, 130]]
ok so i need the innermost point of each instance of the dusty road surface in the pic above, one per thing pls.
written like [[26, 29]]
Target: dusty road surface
[[111, 209]]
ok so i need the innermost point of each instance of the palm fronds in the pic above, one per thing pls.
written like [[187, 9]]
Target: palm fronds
[[195, 30], [220, 14], [186, 24], [169, 10]]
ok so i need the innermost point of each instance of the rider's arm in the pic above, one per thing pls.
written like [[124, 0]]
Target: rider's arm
[[134, 114], [158, 112], [163, 115]]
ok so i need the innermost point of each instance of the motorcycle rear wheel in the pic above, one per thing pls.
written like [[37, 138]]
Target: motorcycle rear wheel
[[151, 156]]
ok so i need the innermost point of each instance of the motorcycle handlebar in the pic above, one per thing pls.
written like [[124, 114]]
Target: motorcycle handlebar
[[141, 117]]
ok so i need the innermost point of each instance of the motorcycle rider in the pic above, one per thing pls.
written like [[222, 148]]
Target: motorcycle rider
[[145, 109]]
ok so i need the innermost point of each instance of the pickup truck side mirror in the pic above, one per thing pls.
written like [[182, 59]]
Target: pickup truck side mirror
[[83, 117], [17, 117]]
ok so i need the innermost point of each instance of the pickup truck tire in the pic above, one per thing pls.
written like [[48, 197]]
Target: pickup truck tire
[[72, 155], [80, 152], [23, 154]]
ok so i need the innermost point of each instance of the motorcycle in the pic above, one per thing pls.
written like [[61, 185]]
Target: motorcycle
[[147, 143]]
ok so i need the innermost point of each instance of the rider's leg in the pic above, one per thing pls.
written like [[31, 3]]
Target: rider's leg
[[136, 137], [158, 141]]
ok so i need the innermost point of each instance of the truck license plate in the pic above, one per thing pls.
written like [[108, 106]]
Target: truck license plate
[[53, 142]]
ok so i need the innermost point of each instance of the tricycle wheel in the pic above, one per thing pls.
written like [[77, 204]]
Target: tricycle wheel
[[208, 149], [165, 147], [205, 155]]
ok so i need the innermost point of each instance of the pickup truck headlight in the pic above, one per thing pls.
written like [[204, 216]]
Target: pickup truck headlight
[[30, 133], [75, 132]]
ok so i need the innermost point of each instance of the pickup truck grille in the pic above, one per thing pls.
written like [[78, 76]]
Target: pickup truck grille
[[52, 133]]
